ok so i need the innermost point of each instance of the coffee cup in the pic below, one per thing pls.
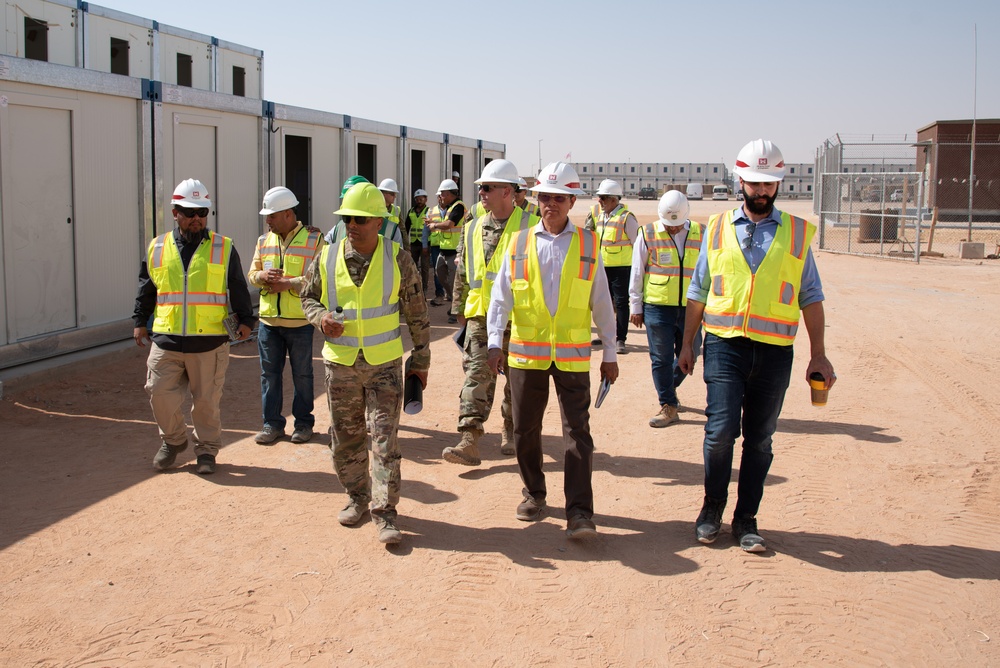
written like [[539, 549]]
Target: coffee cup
[[818, 386]]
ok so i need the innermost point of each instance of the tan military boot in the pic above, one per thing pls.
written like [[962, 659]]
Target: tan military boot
[[507, 443], [666, 416], [467, 450]]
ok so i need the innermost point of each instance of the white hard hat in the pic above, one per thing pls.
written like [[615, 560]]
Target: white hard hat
[[521, 182], [558, 178], [673, 208], [610, 187], [420, 192], [447, 184], [499, 171], [278, 199], [759, 161], [388, 186], [456, 175], [191, 194]]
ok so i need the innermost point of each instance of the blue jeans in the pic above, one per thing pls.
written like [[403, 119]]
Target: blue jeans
[[748, 377], [665, 333], [618, 278], [274, 343]]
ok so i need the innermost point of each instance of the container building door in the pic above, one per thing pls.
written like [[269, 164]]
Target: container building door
[[36, 148], [195, 157]]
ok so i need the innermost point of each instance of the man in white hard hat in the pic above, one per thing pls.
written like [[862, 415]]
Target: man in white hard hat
[[354, 293], [617, 228], [445, 220], [550, 286], [414, 224], [521, 197], [279, 262], [189, 281], [663, 259], [481, 251], [389, 192], [755, 276]]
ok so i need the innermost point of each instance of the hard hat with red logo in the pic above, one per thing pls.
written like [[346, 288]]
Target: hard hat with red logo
[[673, 208], [610, 187], [191, 194], [558, 178], [499, 171], [278, 199], [760, 161]]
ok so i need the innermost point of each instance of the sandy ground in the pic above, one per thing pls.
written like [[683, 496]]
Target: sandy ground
[[880, 517]]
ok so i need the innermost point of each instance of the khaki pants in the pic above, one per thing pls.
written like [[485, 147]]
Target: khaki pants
[[169, 376]]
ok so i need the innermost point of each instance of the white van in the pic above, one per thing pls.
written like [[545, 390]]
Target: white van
[[720, 192], [695, 191]]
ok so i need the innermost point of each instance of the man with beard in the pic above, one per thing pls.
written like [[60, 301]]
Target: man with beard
[[184, 281], [414, 223], [755, 275]]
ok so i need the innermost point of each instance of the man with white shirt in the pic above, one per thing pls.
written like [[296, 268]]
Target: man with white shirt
[[551, 287], [663, 260]]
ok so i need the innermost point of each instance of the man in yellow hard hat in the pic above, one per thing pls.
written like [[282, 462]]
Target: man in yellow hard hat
[[551, 286], [189, 281], [354, 293], [280, 260], [481, 251]]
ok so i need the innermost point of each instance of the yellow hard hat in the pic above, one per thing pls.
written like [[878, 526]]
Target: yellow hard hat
[[364, 200]]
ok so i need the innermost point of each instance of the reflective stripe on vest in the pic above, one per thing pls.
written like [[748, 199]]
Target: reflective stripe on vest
[[393, 214], [449, 239], [434, 216], [371, 311], [293, 262], [762, 306], [666, 279], [537, 338], [480, 273], [416, 226], [616, 247], [192, 301]]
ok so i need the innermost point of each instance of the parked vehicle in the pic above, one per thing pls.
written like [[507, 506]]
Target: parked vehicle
[[695, 191], [896, 196], [720, 192], [647, 193]]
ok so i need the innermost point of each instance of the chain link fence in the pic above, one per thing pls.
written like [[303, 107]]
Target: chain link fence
[[896, 196]]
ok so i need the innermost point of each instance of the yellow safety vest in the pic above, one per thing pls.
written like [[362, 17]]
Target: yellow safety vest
[[666, 280], [371, 311], [293, 261], [538, 339], [616, 247], [763, 306], [434, 216], [416, 227], [393, 215], [532, 208], [449, 239], [191, 302], [475, 212], [480, 272]]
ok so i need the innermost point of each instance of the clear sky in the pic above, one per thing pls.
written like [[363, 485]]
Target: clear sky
[[646, 81]]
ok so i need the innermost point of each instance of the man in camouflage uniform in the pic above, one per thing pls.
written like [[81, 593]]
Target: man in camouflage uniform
[[349, 292], [481, 250]]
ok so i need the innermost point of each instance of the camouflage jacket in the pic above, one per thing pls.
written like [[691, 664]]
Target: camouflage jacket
[[492, 230]]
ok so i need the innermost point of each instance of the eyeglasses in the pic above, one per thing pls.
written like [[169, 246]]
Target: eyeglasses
[[748, 240], [604, 197], [192, 213], [558, 199], [489, 187]]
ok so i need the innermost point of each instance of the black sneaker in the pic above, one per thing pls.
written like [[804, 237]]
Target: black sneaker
[[206, 464], [167, 455], [530, 510], [709, 521], [745, 532]]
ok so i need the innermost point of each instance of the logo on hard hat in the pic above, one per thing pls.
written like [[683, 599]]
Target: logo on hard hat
[[553, 177], [762, 162]]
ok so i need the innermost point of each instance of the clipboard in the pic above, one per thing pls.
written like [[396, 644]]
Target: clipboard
[[602, 392]]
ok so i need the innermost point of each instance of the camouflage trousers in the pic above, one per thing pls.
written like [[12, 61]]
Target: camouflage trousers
[[365, 401], [476, 398], [423, 262]]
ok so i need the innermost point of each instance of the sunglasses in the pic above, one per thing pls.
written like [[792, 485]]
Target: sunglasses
[[604, 197], [748, 241], [192, 213], [490, 187], [357, 220], [558, 199]]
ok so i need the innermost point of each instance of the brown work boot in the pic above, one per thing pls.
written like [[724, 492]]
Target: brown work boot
[[507, 443], [666, 416], [467, 450]]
